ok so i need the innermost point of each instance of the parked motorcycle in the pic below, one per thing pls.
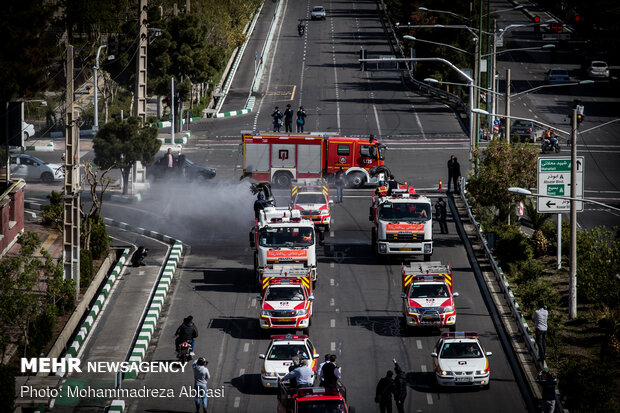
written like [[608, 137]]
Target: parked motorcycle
[[547, 146]]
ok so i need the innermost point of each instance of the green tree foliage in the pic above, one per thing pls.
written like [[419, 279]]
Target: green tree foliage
[[98, 238], [26, 49], [86, 267], [598, 263], [53, 213], [120, 144], [511, 245], [502, 166], [93, 18], [587, 387]]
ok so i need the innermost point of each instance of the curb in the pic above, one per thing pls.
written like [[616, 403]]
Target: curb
[[41, 148], [178, 139], [96, 308], [233, 113], [139, 230], [152, 315], [117, 406], [126, 199]]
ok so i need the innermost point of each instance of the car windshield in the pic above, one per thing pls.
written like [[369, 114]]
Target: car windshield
[[404, 212], [318, 8], [310, 198], [429, 291], [456, 350], [286, 237], [522, 124], [320, 406], [284, 294], [600, 65], [288, 351], [558, 72]]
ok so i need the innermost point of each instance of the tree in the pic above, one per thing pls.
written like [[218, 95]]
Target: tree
[[120, 144], [99, 183], [26, 49], [502, 166]]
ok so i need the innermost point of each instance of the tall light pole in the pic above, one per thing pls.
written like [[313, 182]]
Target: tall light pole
[[572, 281], [95, 69]]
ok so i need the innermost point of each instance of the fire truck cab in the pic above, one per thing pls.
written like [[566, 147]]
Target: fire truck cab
[[312, 399], [286, 298], [428, 299], [402, 224], [311, 198], [282, 236], [282, 157]]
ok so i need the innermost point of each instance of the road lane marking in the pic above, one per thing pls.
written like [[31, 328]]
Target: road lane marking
[[140, 272], [332, 323], [293, 93], [237, 402], [332, 346], [331, 282], [241, 372], [332, 302], [253, 302], [331, 234], [423, 368], [374, 108], [419, 344], [246, 347], [332, 265], [429, 398]]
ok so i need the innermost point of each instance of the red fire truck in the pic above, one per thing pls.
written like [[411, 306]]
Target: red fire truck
[[312, 399], [279, 158]]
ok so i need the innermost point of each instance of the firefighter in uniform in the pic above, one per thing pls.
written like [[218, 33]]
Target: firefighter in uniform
[[382, 189]]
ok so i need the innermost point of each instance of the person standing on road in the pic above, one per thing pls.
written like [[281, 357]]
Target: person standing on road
[[168, 160], [400, 387], [546, 380], [181, 162], [451, 163], [441, 214], [540, 320], [340, 183], [319, 371], [277, 119], [288, 119], [301, 119], [383, 396], [331, 372], [201, 376], [455, 170]]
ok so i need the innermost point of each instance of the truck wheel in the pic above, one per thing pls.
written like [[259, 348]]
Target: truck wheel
[[356, 180], [282, 179]]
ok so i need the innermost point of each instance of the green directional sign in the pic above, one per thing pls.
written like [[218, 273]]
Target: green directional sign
[[555, 165], [555, 190]]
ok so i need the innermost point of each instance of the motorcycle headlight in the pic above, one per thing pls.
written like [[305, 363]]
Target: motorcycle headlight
[[265, 313], [448, 309], [300, 312]]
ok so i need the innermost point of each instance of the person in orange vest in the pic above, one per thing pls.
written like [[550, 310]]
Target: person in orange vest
[[382, 189]]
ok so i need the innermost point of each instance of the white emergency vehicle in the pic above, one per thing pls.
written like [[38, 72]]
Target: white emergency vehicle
[[403, 224], [311, 198], [282, 236], [460, 360]]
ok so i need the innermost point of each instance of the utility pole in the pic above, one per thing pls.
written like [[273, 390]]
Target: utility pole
[[96, 87], [572, 281], [507, 105], [172, 109], [138, 172], [71, 219]]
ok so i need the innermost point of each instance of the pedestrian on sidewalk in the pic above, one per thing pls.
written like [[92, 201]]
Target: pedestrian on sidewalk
[[201, 377], [540, 320], [400, 387], [301, 119], [441, 213], [385, 389], [454, 174], [288, 119], [277, 119], [340, 183]]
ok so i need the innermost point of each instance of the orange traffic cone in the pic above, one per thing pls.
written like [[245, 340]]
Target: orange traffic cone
[[440, 186]]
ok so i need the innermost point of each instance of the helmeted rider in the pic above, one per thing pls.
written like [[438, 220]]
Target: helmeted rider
[[260, 204], [551, 136], [186, 331], [301, 27]]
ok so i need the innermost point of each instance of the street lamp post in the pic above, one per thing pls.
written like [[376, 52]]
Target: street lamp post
[[96, 86]]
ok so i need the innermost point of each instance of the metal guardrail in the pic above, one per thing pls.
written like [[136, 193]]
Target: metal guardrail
[[505, 287]]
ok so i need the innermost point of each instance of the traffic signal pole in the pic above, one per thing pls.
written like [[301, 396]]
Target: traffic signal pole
[[572, 281]]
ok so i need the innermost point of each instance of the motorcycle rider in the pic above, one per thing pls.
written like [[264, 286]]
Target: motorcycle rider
[[186, 331], [301, 27], [551, 137]]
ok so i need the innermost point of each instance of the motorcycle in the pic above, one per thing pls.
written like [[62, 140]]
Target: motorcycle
[[548, 146], [301, 28], [184, 351]]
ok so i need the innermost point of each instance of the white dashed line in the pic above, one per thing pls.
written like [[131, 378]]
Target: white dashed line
[[253, 302], [429, 398], [140, 272], [423, 368], [237, 402], [332, 346], [418, 343], [246, 347], [332, 323], [332, 282], [332, 265], [331, 234], [332, 302], [241, 372]]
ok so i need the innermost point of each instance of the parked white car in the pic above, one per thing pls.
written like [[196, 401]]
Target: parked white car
[[28, 129], [31, 168], [598, 69]]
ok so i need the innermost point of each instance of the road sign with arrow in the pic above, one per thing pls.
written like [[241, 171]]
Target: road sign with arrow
[[554, 179]]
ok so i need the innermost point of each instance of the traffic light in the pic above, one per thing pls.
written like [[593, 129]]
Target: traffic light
[[537, 25], [580, 114], [537, 19], [557, 27], [168, 101]]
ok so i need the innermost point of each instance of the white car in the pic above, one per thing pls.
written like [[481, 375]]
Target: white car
[[280, 355], [460, 360], [31, 168], [598, 69], [313, 204], [286, 303], [28, 129], [318, 13], [556, 76]]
